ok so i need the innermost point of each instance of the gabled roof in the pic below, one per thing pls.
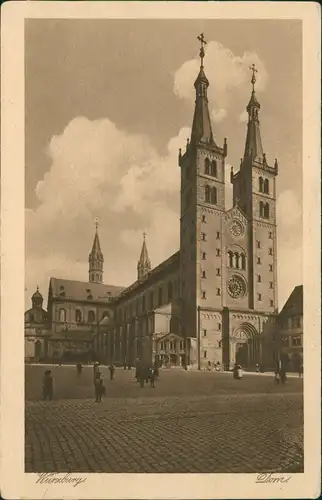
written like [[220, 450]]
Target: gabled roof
[[236, 211], [82, 290], [171, 335], [294, 304]]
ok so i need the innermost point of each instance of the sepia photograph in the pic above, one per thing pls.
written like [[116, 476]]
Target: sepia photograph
[[163, 322]]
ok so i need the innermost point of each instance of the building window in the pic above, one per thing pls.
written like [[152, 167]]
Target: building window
[[285, 341], [266, 211], [258, 260], [207, 166], [105, 314], [203, 295], [91, 316], [62, 315], [205, 354], [296, 341], [203, 274], [260, 184], [203, 255], [266, 186], [270, 235], [243, 261], [259, 297], [143, 303], [160, 299], [261, 209], [207, 194], [271, 284], [218, 235], [92, 276], [271, 303], [181, 345], [258, 244], [218, 252], [230, 258], [270, 267], [78, 316], [214, 196], [203, 219], [259, 278], [151, 300], [218, 271], [214, 168], [296, 322], [270, 251], [218, 291], [205, 333], [219, 326], [203, 236], [162, 346]]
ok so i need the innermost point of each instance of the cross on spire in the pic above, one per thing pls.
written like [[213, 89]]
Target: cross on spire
[[254, 70], [203, 42], [96, 223]]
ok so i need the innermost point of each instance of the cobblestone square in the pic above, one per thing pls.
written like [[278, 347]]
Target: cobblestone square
[[190, 422]]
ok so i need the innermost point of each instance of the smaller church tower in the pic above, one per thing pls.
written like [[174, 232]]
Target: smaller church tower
[[144, 264], [96, 260]]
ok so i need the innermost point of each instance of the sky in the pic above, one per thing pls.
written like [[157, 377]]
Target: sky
[[109, 103]]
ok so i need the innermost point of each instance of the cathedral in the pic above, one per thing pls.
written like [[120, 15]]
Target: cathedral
[[208, 303]]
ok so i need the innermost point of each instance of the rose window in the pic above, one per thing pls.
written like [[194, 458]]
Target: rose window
[[236, 287], [236, 228]]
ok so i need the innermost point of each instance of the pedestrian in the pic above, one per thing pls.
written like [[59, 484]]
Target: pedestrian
[[257, 368], [112, 370], [99, 387], [79, 368], [95, 369], [152, 377], [301, 370], [48, 385], [237, 372]]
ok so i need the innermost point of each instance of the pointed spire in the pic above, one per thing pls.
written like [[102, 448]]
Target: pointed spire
[[201, 126], [253, 146], [144, 264], [96, 259]]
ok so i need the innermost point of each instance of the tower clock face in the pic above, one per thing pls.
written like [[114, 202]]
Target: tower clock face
[[236, 228], [236, 287]]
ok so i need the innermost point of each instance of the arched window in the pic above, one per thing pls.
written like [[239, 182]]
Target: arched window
[[97, 277], [214, 168], [91, 316], [230, 259], [78, 316], [207, 166], [214, 196], [260, 184], [62, 315], [266, 186], [170, 291], [92, 277], [266, 210], [105, 314], [243, 261], [236, 255], [160, 298], [261, 209], [207, 193]]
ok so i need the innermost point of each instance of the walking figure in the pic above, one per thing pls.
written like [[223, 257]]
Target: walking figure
[[237, 372], [112, 370], [152, 377], [301, 370], [79, 368], [48, 385], [99, 388]]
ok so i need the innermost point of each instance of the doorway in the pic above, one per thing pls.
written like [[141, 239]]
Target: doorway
[[242, 354]]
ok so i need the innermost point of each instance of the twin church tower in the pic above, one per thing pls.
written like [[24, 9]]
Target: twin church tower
[[226, 270]]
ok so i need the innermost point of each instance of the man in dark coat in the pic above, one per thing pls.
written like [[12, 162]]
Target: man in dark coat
[[48, 385]]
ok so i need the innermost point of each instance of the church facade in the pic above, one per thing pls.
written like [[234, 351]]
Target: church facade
[[208, 303]]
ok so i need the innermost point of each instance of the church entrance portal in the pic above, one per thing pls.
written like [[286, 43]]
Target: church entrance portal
[[242, 354], [243, 342]]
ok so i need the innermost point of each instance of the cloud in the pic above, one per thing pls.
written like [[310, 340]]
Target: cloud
[[100, 171], [243, 117], [218, 116], [229, 86]]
